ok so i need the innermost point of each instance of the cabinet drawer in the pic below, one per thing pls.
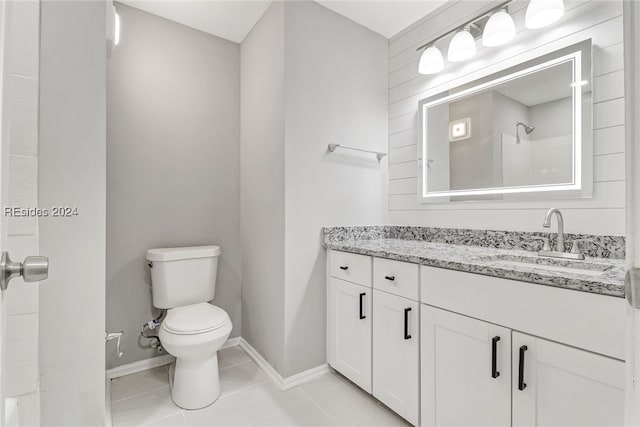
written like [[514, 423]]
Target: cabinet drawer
[[396, 277], [351, 267]]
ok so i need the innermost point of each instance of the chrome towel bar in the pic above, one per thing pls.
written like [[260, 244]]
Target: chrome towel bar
[[332, 147]]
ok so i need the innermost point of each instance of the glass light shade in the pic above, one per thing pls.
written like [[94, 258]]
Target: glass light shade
[[431, 61], [499, 30], [541, 13], [462, 47]]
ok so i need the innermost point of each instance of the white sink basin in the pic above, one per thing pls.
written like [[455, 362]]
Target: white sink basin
[[547, 264]]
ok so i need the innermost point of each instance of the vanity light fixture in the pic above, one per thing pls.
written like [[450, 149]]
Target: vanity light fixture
[[496, 28], [431, 61], [500, 29], [462, 46], [541, 13]]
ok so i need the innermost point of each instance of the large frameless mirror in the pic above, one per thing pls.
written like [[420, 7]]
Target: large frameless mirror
[[524, 130]]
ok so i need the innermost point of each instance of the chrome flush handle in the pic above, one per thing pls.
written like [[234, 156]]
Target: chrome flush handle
[[33, 269]]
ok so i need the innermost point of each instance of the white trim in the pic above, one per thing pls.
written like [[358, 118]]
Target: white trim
[[305, 376], [108, 421], [154, 362], [139, 366], [279, 380]]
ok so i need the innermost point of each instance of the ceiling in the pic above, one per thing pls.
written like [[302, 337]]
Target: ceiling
[[386, 17], [233, 19], [540, 87]]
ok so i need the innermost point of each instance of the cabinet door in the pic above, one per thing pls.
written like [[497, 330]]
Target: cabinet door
[[465, 371], [350, 331], [396, 379], [558, 385]]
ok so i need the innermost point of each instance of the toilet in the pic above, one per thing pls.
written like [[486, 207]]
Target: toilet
[[183, 280]]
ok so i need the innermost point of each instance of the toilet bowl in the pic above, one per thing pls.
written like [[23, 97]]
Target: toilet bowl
[[183, 281], [194, 334]]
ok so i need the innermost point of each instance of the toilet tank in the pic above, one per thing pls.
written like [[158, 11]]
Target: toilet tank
[[183, 276]]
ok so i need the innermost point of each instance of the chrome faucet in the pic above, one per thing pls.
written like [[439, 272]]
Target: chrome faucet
[[560, 249], [547, 223]]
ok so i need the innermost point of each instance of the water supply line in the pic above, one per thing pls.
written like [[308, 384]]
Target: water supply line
[[150, 326], [115, 336]]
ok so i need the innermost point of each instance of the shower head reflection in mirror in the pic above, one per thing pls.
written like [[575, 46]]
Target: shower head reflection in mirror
[[527, 129]]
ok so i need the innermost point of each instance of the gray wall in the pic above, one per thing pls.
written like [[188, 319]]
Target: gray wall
[[471, 160], [336, 92], [309, 77], [172, 164], [72, 172], [262, 186]]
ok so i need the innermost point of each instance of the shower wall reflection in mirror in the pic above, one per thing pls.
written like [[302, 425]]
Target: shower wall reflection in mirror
[[524, 130]]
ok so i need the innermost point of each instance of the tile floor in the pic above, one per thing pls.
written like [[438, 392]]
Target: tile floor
[[248, 398]]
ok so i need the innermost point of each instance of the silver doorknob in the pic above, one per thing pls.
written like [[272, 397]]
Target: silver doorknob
[[33, 269]]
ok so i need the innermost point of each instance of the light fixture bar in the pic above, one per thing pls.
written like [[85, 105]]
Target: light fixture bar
[[466, 24]]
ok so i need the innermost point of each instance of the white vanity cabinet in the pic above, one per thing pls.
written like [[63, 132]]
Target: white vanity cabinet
[[466, 370], [374, 329], [475, 373], [449, 348], [542, 382], [350, 331], [558, 385], [396, 354], [396, 336]]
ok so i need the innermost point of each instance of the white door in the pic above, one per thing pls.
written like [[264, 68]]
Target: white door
[[350, 331], [558, 385], [465, 371], [396, 360]]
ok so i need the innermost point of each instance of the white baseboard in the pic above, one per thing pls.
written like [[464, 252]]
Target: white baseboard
[[305, 376], [279, 380], [139, 366], [154, 362]]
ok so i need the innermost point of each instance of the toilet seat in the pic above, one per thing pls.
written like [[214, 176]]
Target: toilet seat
[[195, 319]]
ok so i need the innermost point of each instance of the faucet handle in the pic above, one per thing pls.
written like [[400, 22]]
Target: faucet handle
[[545, 242], [575, 247]]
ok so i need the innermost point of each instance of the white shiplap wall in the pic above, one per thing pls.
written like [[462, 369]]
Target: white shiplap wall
[[22, 81], [597, 19]]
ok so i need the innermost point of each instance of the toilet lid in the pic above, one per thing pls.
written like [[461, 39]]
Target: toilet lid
[[196, 318]]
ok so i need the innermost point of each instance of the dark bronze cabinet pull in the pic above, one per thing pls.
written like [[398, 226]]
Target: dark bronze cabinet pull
[[494, 357], [362, 316], [406, 323], [521, 384]]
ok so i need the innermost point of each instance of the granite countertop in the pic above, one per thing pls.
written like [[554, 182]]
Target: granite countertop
[[596, 275]]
